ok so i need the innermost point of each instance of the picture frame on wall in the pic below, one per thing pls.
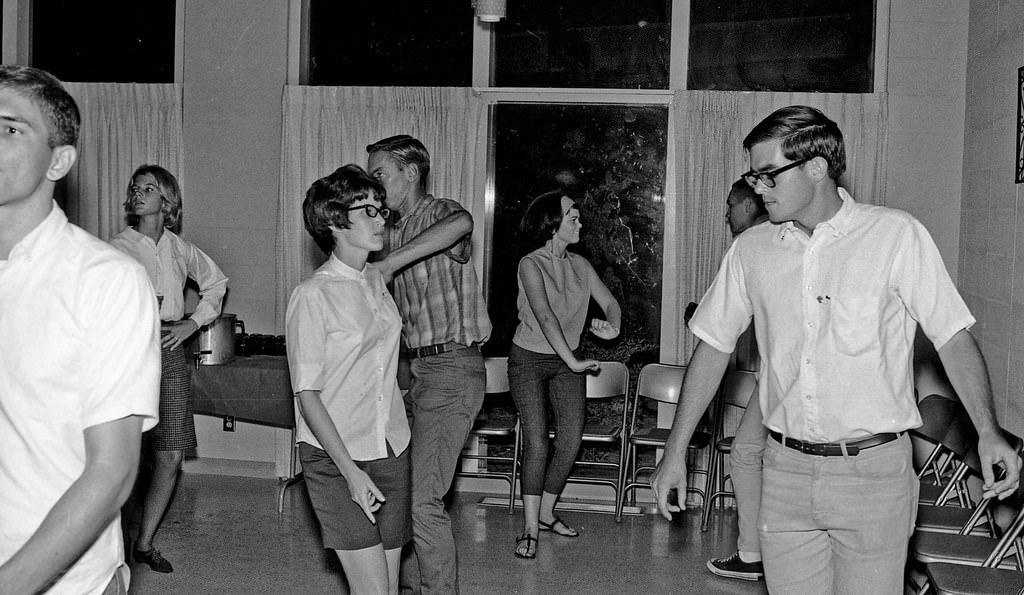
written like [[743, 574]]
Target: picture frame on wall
[[1020, 126]]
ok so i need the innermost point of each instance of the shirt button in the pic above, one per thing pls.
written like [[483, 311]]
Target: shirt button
[[807, 361], [808, 397], [810, 324]]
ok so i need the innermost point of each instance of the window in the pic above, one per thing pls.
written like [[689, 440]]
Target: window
[[806, 45], [396, 43], [118, 41], [596, 44], [611, 160]]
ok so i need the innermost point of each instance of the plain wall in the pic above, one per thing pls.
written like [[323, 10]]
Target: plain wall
[[991, 219]]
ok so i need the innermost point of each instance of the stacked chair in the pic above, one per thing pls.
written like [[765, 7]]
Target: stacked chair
[[502, 422], [738, 387]]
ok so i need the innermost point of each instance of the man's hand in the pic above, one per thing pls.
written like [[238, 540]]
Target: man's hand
[[670, 475], [993, 450]]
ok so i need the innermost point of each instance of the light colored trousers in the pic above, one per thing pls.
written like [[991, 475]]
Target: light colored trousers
[[745, 459], [837, 525]]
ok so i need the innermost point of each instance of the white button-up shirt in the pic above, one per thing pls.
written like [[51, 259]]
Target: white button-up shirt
[[835, 316], [342, 332], [169, 264], [78, 348]]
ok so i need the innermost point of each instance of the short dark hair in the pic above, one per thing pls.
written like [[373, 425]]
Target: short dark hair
[[63, 119], [744, 190], [328, 198], [406, 150], [542, 218], [805, 133], [170, 193]]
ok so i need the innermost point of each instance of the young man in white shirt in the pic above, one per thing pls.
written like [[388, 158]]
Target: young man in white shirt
[[836, 290], [79, 361]]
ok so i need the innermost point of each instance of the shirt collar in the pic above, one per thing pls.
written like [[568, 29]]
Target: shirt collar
[[839, 224], [41, 239], [335, 267]]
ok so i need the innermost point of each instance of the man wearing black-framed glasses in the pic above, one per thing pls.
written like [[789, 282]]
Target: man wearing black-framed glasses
[[836, 290]]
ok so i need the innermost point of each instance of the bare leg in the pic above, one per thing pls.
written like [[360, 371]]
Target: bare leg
[[547, 515], [531, 512], [161, 487], [367, 570], [394, 562]]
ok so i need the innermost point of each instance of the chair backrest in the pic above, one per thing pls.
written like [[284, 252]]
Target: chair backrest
[[937, 413], [661, 382], [497, 375], [612, 380], [738, 387], [930, 380]]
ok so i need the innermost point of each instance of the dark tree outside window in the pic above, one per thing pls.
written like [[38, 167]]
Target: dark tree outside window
[[611, 160], [396, 43], [114, 41]]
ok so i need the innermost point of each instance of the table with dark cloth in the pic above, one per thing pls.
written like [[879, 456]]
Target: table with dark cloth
[[255, 389]]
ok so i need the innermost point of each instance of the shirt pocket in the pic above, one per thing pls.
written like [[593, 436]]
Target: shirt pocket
[[854, 328]]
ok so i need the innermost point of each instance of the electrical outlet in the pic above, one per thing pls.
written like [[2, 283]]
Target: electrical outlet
[[229, 423]]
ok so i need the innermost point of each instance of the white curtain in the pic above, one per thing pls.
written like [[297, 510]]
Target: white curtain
[[710, 127], [123, 126], [327, 127]]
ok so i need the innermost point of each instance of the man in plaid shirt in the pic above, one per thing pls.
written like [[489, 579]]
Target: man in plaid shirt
[[444, 321]]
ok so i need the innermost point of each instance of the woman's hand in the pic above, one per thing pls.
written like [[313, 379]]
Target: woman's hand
[[364, 493], [179, 332], [584, 365], [603, 329]]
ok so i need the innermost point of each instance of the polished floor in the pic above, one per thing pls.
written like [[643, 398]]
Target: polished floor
[[223, 535]]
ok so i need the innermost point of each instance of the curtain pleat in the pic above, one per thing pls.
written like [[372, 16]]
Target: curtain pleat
[[123, 126], [327, 127]]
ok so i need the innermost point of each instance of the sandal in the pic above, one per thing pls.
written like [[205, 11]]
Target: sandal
[[553, 526], [530, 551]]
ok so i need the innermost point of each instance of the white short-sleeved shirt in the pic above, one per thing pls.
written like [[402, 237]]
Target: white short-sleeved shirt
[[835, 316], [169, 263], [342, 332], [78, 347]]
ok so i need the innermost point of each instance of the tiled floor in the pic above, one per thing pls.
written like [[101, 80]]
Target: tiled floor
[[223, 535]]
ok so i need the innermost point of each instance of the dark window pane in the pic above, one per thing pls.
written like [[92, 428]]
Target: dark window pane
[[396, 43], [117, 41], [759, 45], [594, 44], [611, 160]]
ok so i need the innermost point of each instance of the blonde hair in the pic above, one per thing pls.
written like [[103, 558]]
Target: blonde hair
[[170, 195]]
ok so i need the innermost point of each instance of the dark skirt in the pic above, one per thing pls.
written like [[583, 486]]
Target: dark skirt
[[176, 429]]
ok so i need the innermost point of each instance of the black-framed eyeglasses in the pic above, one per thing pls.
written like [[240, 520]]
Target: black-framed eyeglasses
[[768, 177], [372, 210]]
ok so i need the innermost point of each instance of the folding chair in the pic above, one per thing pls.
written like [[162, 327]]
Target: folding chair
[[610, 386], [959, 440], [970, 564], [737, 389], [660, 383], [498, 418]]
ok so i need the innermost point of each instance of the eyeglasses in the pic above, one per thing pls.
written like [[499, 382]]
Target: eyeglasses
[[768, 177], [372, 210]]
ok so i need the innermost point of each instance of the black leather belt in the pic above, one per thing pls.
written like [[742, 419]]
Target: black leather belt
[[434, 349], [835, 449]]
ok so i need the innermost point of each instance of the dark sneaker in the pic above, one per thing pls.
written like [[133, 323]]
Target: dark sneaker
[[733, 567], [153, 559]]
